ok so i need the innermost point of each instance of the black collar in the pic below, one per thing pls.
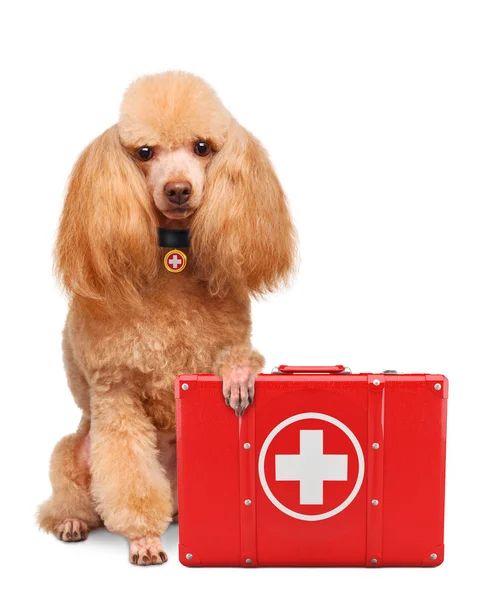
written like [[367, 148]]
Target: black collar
[[172, 238]]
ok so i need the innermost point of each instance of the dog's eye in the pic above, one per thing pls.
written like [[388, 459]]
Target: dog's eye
[[145, 153], [202, 148]]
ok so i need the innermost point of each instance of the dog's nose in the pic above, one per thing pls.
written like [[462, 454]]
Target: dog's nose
[[178, 192]]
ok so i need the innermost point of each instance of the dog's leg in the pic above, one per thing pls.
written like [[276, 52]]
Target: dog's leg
[[238, 367], [166, 445], [69, 513], [130, 486]]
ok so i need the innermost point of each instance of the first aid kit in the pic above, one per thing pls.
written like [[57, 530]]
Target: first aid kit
[[325, 468]]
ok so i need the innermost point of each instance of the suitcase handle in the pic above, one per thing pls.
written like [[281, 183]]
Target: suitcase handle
[[290, 369]]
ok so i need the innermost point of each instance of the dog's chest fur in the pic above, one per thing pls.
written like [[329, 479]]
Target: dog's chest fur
[[180, 330]]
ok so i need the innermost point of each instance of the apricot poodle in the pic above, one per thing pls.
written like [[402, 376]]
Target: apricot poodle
[[176, 165]]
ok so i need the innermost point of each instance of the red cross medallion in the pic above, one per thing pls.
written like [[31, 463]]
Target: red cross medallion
[[175, 261]]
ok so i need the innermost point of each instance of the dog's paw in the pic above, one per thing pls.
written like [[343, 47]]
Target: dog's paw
[[72, 530], [146, 551], [238, 388]]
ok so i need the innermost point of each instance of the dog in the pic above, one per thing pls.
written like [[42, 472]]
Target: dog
[[175, 161]]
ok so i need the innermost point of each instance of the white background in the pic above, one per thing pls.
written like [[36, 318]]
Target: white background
[[371, 112]]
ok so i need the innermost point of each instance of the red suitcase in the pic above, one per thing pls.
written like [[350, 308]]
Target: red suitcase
[[326, 468]]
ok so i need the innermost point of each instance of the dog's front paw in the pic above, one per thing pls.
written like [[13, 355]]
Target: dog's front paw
[[146, 551], [238, 388]]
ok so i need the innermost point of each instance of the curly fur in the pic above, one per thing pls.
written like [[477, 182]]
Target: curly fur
[[133, 327]]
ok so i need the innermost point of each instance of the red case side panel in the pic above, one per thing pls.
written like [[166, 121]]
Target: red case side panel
[[208, 466], [414, 470]]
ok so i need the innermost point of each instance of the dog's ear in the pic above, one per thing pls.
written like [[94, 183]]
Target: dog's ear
[[242, 236], [106, 247]]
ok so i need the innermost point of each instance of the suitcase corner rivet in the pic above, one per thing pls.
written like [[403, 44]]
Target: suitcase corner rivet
[[247, 502], [248, 561], [374, 561], [184, 386], [376, 382], [189, 556], [433, 556], [375, 502], [247, 446], [375, 446], [437, 386]]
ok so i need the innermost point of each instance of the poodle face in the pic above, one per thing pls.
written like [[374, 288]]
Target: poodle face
[[175, 178], [172, 124], [176, 158]]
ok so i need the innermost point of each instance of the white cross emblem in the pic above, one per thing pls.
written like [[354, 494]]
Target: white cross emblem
[[175, 261], [311, 467]]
